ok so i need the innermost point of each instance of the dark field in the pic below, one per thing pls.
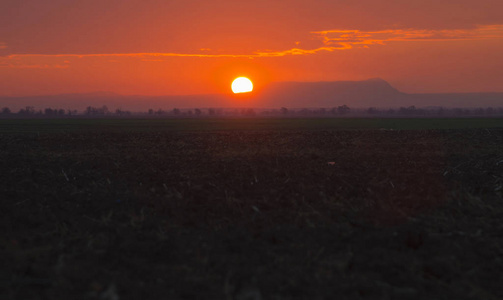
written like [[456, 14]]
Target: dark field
[[251, 209], [76, 125]]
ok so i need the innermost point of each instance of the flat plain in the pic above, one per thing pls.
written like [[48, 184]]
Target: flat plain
[[251, 208]]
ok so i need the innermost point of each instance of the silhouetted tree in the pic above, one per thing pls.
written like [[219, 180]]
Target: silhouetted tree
[[150, 111], [479, 111], [305, 112], [48, 112], [198, 112], [411, 110], [71, 112], [284, 111], [90, 110], [372, 111], [211, 111], [28, 110], [248, 112], [176, 111], [343, 109], [6, 111], [121, 112], [103, 110]]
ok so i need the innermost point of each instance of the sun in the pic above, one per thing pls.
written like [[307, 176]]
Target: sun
[[242, 85]]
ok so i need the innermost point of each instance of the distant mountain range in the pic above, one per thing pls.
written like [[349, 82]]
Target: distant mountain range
[[373, 92], [357, 94]]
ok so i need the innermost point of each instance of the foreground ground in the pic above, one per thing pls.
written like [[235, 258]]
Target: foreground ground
[[241, 210]]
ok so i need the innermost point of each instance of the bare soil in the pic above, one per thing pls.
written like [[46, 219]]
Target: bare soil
[[269, 214]]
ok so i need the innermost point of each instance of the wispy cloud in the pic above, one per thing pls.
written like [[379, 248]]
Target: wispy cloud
[[347, 39], [139, 55], [31, 61], [330, 41], [342, 39], [295, 51]]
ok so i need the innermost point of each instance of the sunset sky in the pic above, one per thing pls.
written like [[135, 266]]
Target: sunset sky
[[156, 47]]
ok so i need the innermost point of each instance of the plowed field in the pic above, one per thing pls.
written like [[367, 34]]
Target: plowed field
[[250, 213]]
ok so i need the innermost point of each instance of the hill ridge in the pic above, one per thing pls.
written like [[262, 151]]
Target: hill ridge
[[373, 92]]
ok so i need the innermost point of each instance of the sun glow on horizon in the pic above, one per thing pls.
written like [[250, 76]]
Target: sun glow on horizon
[[242, 85]]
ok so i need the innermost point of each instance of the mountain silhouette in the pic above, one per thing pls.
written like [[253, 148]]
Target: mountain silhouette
[[373, 92]]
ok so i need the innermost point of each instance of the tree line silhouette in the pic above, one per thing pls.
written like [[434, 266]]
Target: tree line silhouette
[[342, 110]]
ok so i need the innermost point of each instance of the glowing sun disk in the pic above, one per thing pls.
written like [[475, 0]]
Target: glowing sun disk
[[242, 85]]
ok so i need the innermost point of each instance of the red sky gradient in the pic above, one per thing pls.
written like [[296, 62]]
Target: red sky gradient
[[156, 47]]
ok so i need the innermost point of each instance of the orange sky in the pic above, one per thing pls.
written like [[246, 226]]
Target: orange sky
[[159, 47]]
